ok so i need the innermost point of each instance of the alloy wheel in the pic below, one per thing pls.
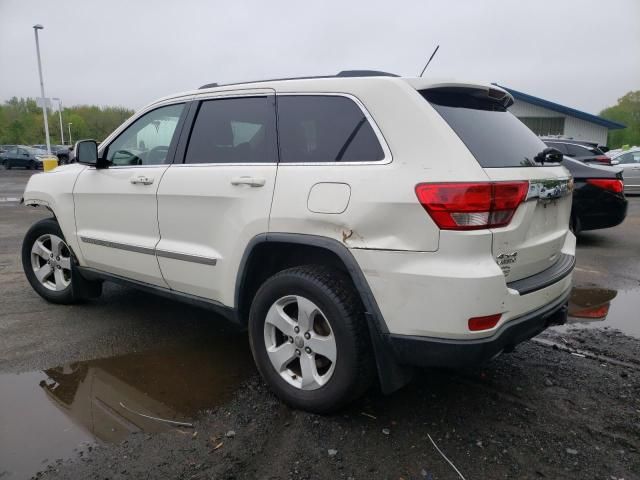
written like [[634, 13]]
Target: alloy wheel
[[51, 262], [300, 342]]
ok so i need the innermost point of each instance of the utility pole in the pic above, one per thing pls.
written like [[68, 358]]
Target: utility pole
[[70, 141], [44, 99], [60, 117]]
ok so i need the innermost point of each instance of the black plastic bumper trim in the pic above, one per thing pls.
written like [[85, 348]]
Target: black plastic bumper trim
[[440, 352], [555, 273]]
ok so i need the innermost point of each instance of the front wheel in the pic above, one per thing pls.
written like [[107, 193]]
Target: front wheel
[[48, 264], [309, 338]]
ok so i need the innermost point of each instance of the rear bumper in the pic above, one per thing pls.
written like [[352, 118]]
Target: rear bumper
[[597, 208], [437, 352]]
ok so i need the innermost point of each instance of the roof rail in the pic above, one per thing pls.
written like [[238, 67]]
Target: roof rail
[[365, 73], [342, 74]]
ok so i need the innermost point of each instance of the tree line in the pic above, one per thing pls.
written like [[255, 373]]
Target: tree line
[[627, 112], [21, 122]]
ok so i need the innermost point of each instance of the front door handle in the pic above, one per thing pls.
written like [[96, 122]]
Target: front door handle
[[251, 181], [141, 180]]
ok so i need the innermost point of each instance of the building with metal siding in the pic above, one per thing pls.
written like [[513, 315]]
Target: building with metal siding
[[549, 118]]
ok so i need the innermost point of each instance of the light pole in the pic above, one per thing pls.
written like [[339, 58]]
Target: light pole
[[70, 141], [60, 117], [44, 99]]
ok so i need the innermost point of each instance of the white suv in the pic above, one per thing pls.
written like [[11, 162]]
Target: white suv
[[355, 224]]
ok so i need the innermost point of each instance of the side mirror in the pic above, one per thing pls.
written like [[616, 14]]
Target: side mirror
[[615, 162], [603, 149], [86, 152]]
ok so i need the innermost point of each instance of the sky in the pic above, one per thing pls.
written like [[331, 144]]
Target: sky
[[581, 53]]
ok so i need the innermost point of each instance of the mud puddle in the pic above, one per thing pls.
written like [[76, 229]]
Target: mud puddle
[[599, 307], [55, 413]]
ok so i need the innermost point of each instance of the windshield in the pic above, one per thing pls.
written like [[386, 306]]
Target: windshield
[[495, 137]]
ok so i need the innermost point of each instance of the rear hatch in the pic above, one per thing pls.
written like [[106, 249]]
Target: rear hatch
[[509, 152]]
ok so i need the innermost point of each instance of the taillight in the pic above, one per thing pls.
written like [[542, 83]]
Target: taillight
[[611, 184], [484, 323], [471, 206]]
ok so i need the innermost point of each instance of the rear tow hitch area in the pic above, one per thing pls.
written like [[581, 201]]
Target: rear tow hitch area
[[559, 317]]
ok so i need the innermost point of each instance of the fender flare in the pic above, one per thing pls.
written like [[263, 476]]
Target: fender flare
[[392, 375]]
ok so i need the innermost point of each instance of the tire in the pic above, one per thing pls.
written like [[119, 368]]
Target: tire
[[57, 285], [574, 225], [338, 317], [31, 166]]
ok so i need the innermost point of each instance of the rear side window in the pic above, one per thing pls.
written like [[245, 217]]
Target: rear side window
[[495, 137], [234, 130], [558, 146], [579, 151], [317, 128]]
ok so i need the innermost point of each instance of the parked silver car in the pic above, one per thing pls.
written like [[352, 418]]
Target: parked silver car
[[629, 160]]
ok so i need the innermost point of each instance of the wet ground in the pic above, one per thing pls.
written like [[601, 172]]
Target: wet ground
[[135, 386]]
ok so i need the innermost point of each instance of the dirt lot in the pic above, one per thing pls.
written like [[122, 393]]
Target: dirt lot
[[74, 381]]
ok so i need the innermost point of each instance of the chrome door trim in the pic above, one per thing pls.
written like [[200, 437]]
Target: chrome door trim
[[186, 257], [118, 245]]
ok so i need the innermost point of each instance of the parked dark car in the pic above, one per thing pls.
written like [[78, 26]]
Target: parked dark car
[[25, 157], [5, 148], [580, 150], [60, 151], [598, 196]]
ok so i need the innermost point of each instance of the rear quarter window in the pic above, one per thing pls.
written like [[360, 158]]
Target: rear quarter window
[[494, 136], [323, 128]]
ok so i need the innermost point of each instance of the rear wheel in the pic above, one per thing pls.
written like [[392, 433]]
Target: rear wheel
[[574, 224], [309, 339]]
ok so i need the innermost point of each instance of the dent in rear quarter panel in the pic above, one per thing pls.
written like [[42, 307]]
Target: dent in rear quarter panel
[[54, 190]]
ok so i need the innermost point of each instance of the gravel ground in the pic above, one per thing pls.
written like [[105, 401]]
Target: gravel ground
[[536, 413]]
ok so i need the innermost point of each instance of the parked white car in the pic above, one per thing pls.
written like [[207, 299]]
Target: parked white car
[[629, 161], [356, 225]]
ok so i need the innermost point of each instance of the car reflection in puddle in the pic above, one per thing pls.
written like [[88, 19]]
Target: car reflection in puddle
[[603, 307], [47, 415], [590, 304]]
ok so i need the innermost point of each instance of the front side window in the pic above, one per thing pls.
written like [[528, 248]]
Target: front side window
[[234, 130], [322, 128], [146, 141]]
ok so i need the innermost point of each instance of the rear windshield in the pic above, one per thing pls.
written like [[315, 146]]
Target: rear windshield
[[494, 136]]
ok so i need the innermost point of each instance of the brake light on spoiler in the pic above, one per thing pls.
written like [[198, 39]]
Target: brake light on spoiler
[[471, 205]]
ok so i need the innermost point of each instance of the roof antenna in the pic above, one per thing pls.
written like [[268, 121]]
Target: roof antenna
[[430, 58]]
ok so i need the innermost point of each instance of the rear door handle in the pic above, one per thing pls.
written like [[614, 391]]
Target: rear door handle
[[251, 181], [141, 180]]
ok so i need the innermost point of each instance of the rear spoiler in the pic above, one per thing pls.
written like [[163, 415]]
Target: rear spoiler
[[478, 91]]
